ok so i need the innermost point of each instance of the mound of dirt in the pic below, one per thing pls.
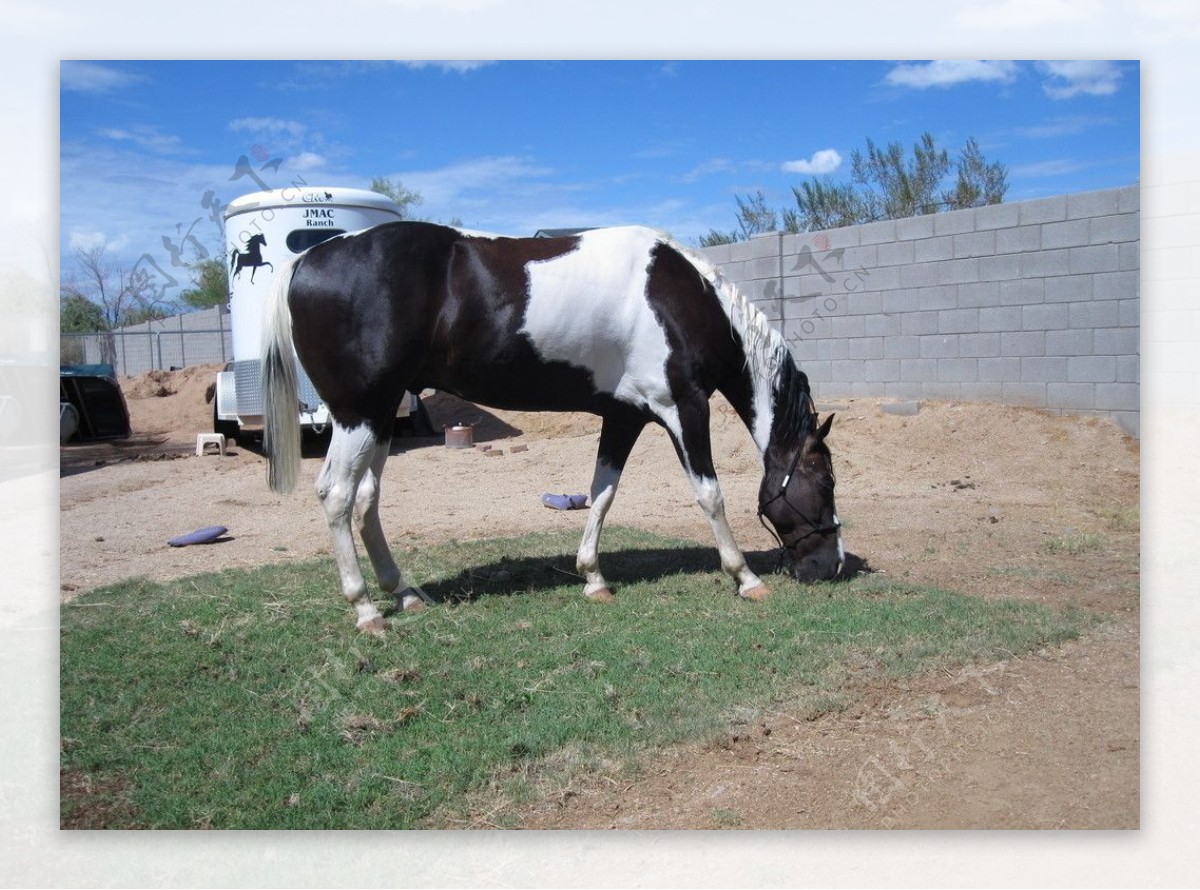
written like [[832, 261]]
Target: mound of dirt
[[172, 404]]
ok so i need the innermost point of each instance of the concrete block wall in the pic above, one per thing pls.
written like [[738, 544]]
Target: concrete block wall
[[1030, 303]]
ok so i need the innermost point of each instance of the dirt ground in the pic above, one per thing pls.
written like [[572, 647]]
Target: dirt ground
[[991, 500]]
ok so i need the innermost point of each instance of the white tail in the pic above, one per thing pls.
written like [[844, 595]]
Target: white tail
[[281, 413]]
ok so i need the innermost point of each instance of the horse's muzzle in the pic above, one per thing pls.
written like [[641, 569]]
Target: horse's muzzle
[[824, 564]]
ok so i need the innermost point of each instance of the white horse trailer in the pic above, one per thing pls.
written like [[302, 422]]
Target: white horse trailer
[[261, 231]]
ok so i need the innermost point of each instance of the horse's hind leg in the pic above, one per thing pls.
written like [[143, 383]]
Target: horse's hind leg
[[391, 581], [351, 452], [617, 437]]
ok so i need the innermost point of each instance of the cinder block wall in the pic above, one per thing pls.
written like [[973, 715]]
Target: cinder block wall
[[1030, 303]]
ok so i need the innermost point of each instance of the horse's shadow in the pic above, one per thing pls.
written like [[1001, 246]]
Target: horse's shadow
[[523, 575], [410, 433]]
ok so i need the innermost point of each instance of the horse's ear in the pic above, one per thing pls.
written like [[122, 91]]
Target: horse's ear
[[823, 430]]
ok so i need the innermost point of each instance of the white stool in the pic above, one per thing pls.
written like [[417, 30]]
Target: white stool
[[203, 439]]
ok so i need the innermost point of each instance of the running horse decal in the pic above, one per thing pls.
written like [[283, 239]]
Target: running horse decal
[[252, 257], [619, 322]]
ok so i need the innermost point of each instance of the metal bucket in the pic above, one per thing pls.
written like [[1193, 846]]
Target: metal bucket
[[461, 435]]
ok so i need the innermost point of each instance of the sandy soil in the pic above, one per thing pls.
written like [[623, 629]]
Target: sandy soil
[[991, 500]]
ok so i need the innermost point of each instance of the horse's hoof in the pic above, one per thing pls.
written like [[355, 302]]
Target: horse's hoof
[[600, 595], [757, 594], [411, 602], [376, 625]]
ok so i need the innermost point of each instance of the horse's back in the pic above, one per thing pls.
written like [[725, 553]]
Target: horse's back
[[566, 323]]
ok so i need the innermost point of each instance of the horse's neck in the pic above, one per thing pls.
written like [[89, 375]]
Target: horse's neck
[[764, 351], [754, 402]]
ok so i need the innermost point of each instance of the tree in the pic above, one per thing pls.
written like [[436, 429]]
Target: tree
[[885, 183], [896, 187], [888, 184], [397, 192], [210, 280], [978, 182], [79, 315], [120, 293], [825, 205], [754, 218]]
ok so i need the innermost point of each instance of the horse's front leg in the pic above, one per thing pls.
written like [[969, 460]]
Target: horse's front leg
[[690, 436], [733, 561]]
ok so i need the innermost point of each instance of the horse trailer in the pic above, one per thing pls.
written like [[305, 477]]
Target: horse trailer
[[262, 231]]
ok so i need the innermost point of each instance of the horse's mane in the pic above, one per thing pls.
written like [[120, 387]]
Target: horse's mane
[[795, 415], [768, 357]]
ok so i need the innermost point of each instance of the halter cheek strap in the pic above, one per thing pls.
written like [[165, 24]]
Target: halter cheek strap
[[815, 528]]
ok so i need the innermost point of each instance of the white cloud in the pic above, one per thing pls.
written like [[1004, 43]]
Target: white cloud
[[92, 77], [460, 66], [826, 160], [118, 194], [86, 240], [305, 162], [147, 137], [946, 73], [449, 187], [1065, 80], [262, 126], [707, 168]]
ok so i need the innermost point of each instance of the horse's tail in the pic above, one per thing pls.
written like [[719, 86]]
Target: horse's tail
[[281, 412]]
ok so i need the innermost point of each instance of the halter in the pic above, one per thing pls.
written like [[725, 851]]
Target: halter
[[815, 528]]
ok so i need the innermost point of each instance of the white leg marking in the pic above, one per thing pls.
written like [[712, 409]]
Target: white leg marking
[[367, 507], [841, 546], [712, 502], [350, 452], [604, 489]]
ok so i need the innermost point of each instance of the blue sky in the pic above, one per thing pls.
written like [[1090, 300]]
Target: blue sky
[[516, 146]]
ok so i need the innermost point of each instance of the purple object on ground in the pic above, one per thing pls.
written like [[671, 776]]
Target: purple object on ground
[[565, 501], [199, 536]]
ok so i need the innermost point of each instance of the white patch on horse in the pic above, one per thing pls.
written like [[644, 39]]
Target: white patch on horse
[[841, 547], [473, 233], [588, 308]]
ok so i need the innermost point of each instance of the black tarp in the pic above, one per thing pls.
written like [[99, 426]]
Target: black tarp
[[94, 392]]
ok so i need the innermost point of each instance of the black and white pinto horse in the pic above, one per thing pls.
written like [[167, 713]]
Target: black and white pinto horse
[[618, 322], [251, 256]]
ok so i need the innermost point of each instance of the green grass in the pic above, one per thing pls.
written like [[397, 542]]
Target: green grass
[[1122, 519], [246, 699], [1075, 543]]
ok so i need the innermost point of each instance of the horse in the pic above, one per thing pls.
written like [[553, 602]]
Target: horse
[[619, 322], [252, 257]]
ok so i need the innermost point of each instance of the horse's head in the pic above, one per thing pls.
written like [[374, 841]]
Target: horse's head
[[797, 497], [259, 239]]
